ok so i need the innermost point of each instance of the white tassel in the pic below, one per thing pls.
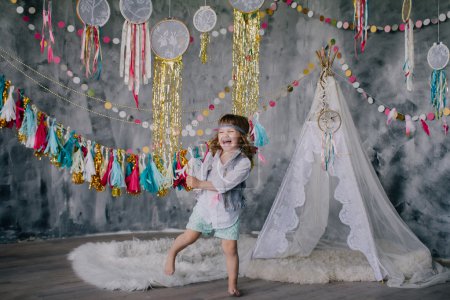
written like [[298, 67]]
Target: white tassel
[[409, 55], [410, 128], [89, 166], [391, 116], [8, 111], [78, 163]]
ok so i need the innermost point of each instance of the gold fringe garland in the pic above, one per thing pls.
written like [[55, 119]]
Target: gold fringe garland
[[204, 42], [246, 63], [166, 103]]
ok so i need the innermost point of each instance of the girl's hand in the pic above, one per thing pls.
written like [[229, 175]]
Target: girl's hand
[[192, 182]]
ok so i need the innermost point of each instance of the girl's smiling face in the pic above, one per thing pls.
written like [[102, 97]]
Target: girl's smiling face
[[228, 138]]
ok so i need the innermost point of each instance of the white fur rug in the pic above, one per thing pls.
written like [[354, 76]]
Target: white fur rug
[[138, 265]]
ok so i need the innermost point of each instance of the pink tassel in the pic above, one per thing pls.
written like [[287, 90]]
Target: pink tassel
[[40, 142], [391, 116], [262, 158], [409, 126], [445, 126], [132, 180], [105, 177], [425, 127]]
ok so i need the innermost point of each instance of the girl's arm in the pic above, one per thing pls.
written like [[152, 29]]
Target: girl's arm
[[200, 184]]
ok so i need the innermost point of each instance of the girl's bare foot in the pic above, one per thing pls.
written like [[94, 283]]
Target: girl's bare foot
[[234, 292], [169, 267]]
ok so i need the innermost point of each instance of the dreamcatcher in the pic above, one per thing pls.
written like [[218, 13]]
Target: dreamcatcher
[[246, 56], [438, 57], [135, 52], [328, 120], [94, 14], [204, 21], [169, 40]]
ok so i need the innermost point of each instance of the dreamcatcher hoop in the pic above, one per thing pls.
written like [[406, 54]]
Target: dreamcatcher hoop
[[89, 14], [247, 6], [136, 11], [438, 56], [205, 19], [406, 10], [164, 45], [329, 121]]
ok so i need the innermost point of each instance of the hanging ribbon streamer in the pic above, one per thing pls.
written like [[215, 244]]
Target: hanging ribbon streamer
[[438, 92], [47, 22], [91, 43], [135, 50], [94, 14], [135, 57], [245, 63], [328, 150], [360, 18], [408, 66]]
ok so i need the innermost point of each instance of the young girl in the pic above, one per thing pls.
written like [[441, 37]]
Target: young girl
[[221, 180]]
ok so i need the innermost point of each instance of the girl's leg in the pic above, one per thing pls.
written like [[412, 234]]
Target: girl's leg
[[231, 254], [182, 241]]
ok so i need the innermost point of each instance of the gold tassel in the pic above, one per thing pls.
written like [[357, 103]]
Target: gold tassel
[[166, 103], [204, 42], [116, 192], [245, 63], [98, 161], [77, 178]]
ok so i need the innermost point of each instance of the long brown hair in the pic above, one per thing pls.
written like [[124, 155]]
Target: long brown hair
[[242, 122]]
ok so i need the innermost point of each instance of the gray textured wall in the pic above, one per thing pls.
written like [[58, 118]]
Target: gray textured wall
[[36, 199]]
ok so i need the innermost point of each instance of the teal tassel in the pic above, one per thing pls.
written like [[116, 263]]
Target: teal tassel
[[129, 169], [151, 179], [116, 178], [2, 87], [29, 125], [438, 92], [65, 156], [53, 144], [259, 133]]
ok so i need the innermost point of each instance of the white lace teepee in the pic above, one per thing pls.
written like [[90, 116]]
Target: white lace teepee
[[344, 207]]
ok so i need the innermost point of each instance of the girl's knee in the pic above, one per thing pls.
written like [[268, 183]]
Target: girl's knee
[[229, 247], [191, 236]]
